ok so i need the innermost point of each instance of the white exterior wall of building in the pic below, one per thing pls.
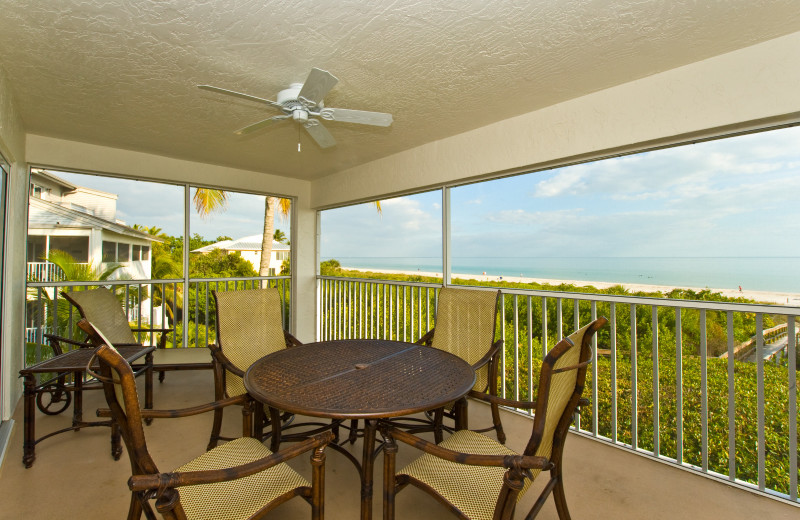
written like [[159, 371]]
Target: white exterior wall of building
[[102, 204]]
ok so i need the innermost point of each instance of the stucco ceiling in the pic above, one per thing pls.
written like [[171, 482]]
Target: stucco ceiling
[[124, 73]]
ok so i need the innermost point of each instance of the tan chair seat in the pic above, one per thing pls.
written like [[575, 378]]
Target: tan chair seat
[[215, 501], [448, 478]]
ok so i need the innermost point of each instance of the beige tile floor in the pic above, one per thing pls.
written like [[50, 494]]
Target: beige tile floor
[[74, 475]]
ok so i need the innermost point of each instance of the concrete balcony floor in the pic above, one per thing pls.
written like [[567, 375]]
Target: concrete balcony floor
[[75, 476]]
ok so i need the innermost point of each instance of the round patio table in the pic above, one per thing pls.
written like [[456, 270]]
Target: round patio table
[[365, 379]]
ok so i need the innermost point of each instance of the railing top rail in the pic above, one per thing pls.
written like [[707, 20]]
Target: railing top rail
[[151, 281], [609, 298], [375, 280]]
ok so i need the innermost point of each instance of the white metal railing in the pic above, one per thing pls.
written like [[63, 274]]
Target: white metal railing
[[45, 272], [659, 361], [190, 313]]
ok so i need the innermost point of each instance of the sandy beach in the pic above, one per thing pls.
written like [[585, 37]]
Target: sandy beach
[[792, 299]]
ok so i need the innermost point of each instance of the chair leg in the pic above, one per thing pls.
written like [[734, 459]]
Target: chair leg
[[498, 424], [389, 489], [215, 430], [275, 418], [438, 418], [353, 431], [558, 494]]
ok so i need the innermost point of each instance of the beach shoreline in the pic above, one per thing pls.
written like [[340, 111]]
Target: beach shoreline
[[781, 298]]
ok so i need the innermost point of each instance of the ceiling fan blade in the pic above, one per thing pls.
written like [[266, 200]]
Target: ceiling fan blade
[[261, 124], [318, 83], [357, 116], [239, 94], [320, 134]]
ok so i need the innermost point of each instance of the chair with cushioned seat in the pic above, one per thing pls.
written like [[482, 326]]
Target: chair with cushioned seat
[[241, 479], [249, 326], [101, 307], [479, 478], [465, 325]]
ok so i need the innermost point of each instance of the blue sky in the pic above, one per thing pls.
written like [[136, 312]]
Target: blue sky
[[161, 205], [730, 197]]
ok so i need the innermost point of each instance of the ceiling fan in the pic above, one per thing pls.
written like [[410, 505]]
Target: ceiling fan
[[302, 102]]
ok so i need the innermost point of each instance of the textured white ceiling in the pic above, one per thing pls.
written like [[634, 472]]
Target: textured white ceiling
[[124, 73]]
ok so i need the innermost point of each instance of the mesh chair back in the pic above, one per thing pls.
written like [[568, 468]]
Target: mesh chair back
[[465, 326], [558, 388], [104, 310], [249, 326]]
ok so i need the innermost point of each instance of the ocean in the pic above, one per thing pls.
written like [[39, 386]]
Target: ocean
[[773, 274]]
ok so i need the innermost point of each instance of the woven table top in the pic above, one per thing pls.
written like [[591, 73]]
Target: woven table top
[[365, 378], [76, 360]]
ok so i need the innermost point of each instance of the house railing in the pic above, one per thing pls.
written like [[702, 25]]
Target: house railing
[[46, 272], [190, 313], [658, 384]]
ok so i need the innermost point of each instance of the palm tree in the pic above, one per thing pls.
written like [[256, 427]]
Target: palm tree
[[270, 203], [279, 236], [164, 267], [73, 271], [80, 272], [207, 201]]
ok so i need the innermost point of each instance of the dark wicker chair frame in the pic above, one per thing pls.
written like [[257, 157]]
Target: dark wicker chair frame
[[148, 483], [469, 317], [249, 326], [561, 383], [101, 307]]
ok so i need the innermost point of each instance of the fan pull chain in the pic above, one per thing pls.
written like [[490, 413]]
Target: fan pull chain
[[298, 138]]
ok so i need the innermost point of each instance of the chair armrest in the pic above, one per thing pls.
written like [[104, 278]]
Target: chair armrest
[[471, 459], [426, 339], [291, 341], [54, 341], [191, 478], [493, 399], [226, 363], [482, 396], [489, 355]]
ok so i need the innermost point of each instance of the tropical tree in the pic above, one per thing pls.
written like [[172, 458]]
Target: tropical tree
[[207, 201], [75, 271], [164, 266], [279, 236]]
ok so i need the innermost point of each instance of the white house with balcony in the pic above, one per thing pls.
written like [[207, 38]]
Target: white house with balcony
[[250, 249], [82, 222]]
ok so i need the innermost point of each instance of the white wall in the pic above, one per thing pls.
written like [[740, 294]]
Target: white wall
[[12, 145], [60, 153], [734, 91]]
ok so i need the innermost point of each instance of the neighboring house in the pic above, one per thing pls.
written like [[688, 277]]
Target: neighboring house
[[82, 222], [250, 249]]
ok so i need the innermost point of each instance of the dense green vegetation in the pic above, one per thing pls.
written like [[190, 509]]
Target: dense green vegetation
[[410, 315]]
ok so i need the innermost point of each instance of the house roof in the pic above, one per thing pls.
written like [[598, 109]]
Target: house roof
[[52, 178], [43, 214], [248, 243], [125, 74]]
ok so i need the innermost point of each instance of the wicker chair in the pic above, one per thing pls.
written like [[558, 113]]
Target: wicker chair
[[249, 326], [479, 478], [239, 480], [465, 326], [101, 307]]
